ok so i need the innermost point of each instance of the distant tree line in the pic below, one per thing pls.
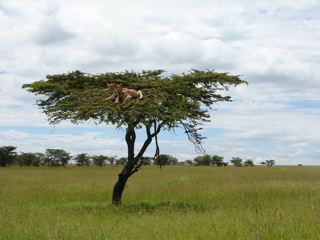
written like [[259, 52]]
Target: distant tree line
[[59, 157], [216, 160]]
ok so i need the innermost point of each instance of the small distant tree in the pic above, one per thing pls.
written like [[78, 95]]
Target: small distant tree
[[56, 157], [270, 162], [189, 162], [99, 160], [165, 159], [121, 161], [82, 159], [110, 160], [236, 161], [217, 161], [173, 160], [28, 159], [248, 163], [263, 163], [146, 160], [204, 160], [7, 155]]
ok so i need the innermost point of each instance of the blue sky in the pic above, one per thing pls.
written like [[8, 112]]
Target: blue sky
[[274, 45]]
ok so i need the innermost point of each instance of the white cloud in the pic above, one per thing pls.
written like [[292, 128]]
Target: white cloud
[[14, 135]]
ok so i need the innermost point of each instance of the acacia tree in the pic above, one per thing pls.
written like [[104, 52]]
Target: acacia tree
[[218, 161], [168, 102], [165, 159], [99, 160], [7, 155], [248, 163], [270, 162], [82, 159], [56, 157], [204, 160], [236, 161]]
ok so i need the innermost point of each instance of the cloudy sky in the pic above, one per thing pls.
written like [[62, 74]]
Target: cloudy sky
[[274, 45]]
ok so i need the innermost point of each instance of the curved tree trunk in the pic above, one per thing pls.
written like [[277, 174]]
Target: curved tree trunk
[[118, 189], [133, 164], [127, 170]]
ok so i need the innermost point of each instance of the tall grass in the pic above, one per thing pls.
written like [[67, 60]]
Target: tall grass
[[172, 203]]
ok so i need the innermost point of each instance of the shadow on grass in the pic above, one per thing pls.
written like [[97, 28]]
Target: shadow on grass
[[136, 207], [167, 206]]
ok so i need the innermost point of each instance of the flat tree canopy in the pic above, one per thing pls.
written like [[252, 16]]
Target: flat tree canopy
[[168, 102]]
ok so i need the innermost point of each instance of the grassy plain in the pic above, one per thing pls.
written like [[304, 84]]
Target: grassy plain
[[176, 202]]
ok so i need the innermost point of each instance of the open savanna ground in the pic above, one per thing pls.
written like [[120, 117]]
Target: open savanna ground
[[176, 202]]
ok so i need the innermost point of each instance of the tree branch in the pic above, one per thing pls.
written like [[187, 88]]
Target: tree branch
[[136, 168], [193, 135], [157, 153], [157, 130], [149, 139]]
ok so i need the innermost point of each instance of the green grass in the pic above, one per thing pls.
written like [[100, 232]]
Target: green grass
[[172, 203]]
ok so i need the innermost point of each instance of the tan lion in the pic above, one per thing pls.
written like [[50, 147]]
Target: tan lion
[[121, 94]]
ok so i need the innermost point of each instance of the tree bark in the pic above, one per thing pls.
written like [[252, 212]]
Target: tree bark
[[127, 169], [133, 165], [118, 189]]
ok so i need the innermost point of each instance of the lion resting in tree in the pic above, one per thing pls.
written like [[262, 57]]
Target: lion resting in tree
[[121, 94]]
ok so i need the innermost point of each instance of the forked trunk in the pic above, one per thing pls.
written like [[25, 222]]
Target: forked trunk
[[133, 164]]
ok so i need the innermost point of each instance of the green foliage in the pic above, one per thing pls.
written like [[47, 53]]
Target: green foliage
[[165, 159], [248, 163], [99, 160], [270, 162], [237, 162], [39, 160], [111, 160], [82, 159], [146, 160], [207, 160], [7, 155], [204, 160], [56, 157], [189, 163], [121, 161], [175, 101], [218, 161], [29, 159]]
